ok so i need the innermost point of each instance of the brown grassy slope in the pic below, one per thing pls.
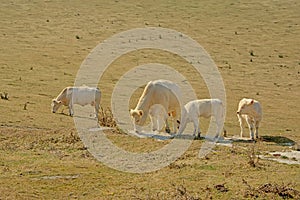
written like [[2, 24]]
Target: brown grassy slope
[[40, 53]]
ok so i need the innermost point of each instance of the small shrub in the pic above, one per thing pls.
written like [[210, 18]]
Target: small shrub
[[284, 191], [106, 118], [253, 159], [4, 96], [181, 193]]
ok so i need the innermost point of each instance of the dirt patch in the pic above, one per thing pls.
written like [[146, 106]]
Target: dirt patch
[[290, 157], [271, 190]]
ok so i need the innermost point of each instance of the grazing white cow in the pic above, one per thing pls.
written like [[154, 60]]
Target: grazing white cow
[[202, 108], [251, 111], [77, 95], [162, 92]]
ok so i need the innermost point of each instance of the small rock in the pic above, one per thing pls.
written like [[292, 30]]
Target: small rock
[[277, 154], [221, 188], [4, 96]]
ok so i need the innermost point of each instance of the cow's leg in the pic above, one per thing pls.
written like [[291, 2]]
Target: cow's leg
[[163, 120], [173, 116], [97, 107], [182, 126], [71, 112], [241, 124], [218, 122], [197, 131], [160, 123], [256, 128], [251, 127], [174, 121], [154, 123], [168, 130]]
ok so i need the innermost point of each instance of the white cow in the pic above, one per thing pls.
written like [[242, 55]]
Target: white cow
[[251, 111], [77, 95], [202, 108], [162, 92]]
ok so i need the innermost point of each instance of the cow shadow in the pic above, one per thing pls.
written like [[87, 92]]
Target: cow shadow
[[65, 114], [240, 139], [183, 137], [279, 140], [165, 136]]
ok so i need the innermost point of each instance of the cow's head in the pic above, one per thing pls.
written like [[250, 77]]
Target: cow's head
[[136, 116], [244, 106], [55, 105]]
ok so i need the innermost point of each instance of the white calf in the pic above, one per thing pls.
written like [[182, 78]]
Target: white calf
[[251, 111], [202, 108], [77, 95], [158, 116]]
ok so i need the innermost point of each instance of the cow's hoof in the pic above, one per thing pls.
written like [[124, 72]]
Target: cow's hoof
[[168, 130], [253, 140], [196, 137]]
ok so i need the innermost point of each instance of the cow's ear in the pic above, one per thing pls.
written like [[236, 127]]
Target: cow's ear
[[141, 112], [131, 111]]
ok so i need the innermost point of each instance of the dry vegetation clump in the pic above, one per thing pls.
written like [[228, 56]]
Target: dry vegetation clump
[[178, 192], [181, 193], [253, 158], [269, 190], [106, 118], [4, 96]]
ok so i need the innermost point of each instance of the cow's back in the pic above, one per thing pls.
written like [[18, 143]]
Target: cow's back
[[167, 91], [160, 92], [84, 95], [258, 110], [209, 107]]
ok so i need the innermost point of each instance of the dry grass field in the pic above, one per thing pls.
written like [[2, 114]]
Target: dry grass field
[[255, 44]]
